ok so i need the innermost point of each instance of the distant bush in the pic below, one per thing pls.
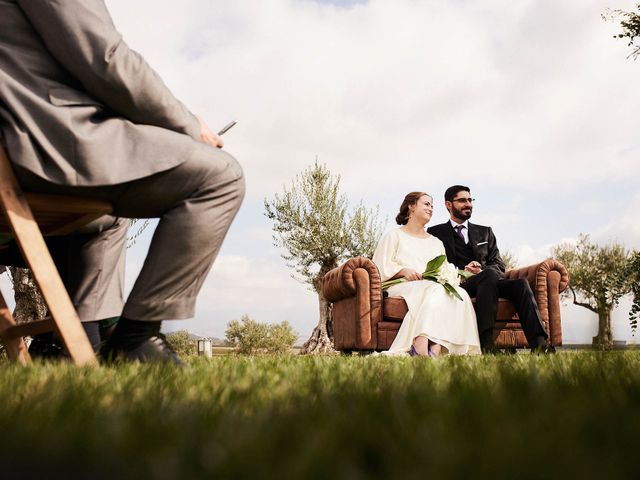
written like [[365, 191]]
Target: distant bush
[[182, 343], [250, 337]]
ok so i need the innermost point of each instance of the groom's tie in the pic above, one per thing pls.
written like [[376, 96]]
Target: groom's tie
[[458, 230]]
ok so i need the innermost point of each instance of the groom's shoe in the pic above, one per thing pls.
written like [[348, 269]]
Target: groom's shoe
[[487, 345], [543, 348]]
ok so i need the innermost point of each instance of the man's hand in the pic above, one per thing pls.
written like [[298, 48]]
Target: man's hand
[[473, 267], [410, 274], [207, 136]]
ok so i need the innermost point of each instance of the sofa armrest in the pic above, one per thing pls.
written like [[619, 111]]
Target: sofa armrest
[[355, 289], [342, 282], [547, 280]]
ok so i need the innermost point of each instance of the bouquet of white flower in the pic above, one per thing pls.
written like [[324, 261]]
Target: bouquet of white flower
[[441, 271]]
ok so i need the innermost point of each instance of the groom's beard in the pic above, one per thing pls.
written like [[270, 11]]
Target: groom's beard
[[463, 213]]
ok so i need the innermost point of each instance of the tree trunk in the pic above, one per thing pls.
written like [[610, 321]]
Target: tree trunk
[[30, 305], [604, 339], [321, 339]]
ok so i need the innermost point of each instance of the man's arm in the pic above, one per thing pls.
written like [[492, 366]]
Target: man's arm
[[81, 36], [493, 260]]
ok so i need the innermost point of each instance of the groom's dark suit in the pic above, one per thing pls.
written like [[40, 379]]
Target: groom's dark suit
[[490, 283]]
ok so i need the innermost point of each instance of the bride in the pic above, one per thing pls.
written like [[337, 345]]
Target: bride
[[437, 322]]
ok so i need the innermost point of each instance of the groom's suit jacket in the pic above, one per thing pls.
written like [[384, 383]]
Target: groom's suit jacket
[[77, 106], [482, 242]]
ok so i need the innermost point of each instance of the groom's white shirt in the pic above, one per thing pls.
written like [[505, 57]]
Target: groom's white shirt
[[465, 230]]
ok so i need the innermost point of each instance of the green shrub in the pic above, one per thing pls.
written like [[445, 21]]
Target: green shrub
[[182, 343], [251, 337]]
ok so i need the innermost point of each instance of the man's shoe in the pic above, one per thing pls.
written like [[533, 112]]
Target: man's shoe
[[543, 349], [154, 349], [47, 347], [489, 349]]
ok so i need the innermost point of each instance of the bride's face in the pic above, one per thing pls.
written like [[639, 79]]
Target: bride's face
[[423, 209]]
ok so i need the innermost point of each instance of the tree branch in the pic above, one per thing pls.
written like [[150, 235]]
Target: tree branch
[[581, 304]]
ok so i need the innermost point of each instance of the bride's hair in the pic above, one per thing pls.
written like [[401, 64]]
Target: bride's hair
[[410, 199]]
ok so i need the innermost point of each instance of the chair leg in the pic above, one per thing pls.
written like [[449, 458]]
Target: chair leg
[[57, 299], [36, 254], [16, 349]]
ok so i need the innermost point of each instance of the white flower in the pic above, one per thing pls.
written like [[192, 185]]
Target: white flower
[[448, 273]]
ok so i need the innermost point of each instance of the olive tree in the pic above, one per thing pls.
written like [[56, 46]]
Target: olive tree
[[509, 259], [30, 305], [597, 280], [182, 343], [250, 337], [632, 277], [313, 223], [630, 24]]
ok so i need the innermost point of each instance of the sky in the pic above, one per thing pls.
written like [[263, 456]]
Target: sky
[[533, 104]]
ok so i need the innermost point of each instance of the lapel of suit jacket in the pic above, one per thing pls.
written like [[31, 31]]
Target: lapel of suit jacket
[[474, 238], [449, 241]]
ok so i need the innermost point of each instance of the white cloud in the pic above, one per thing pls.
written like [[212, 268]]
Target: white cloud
[[624, 225], [528, 88]]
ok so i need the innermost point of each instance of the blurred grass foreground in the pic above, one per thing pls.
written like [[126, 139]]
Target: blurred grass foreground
[[571, 415]]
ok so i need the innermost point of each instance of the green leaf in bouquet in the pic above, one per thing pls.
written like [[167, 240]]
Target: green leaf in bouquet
[[390, 283], [449, 288], [430, 277], [434, 265]]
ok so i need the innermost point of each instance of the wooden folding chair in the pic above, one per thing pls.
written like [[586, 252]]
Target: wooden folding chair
[[27, 216]]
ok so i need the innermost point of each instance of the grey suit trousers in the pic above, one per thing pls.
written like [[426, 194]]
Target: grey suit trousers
[[195, 202]]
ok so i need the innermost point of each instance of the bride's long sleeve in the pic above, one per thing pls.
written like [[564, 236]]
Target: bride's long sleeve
[[385, 255]]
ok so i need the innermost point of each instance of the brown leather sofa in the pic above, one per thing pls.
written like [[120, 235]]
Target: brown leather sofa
[[364, 320]]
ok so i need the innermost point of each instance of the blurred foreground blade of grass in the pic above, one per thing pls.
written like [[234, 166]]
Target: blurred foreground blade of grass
[[520, 416]]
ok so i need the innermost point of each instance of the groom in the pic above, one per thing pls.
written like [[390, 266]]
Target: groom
[[473, 248]]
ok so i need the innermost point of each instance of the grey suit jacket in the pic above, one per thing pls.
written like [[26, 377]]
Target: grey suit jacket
[[77, 106]]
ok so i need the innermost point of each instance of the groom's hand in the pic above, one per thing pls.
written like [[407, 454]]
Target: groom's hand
[[473, 267], [410, 274]]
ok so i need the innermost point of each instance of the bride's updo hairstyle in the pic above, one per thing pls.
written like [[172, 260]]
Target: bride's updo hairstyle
[[410, 199]]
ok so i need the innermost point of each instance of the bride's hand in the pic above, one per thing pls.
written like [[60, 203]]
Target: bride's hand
[[410, 274]]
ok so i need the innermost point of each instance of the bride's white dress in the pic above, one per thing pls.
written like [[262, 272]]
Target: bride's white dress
[[432, 311]]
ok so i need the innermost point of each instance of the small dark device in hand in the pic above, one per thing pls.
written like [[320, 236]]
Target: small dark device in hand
[[227, 127]]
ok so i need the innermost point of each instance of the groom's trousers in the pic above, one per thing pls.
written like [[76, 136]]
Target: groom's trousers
[[487, 287], [195, 203]]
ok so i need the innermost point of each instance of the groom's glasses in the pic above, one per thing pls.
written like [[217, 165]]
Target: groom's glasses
[[464, 200]]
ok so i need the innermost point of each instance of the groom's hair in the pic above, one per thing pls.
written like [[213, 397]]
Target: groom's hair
[[453, 191]]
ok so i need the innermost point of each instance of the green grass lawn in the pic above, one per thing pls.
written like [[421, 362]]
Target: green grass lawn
[[574, 414]]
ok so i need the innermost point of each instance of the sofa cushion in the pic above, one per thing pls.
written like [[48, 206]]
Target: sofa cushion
[[395, 308]]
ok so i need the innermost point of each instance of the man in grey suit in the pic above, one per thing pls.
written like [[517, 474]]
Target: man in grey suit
[[82, 114]]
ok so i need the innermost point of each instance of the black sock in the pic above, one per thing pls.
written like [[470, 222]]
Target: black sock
[[92, 329], [132, 332]]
